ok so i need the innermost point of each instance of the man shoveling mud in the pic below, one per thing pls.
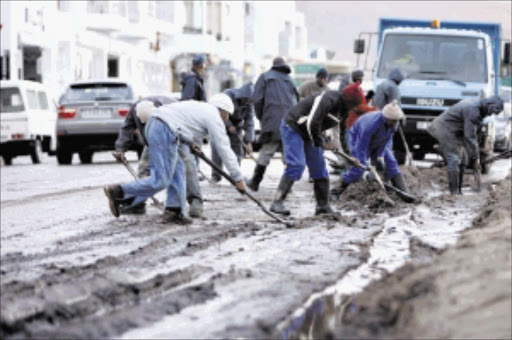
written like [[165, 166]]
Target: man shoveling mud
[[371, 136], [455, 129], [303, 144], [167, 127]]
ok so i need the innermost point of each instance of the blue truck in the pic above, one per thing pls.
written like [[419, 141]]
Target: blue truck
[[445, 62]]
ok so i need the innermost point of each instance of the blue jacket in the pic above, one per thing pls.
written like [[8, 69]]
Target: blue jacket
[[274, 95], [243, 116], [388, 90], [370, 138], [192, 87]]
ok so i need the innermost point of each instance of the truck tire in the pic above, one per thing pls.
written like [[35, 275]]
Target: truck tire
[[418, 155], [36, 153], [7, 159], [64, 157], [400, 156], [485, 167], [85, 157]]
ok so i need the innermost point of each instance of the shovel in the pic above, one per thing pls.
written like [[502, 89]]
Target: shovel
[[403, 195], [408, 154], [156, 202], [201, 155], [251, 156]]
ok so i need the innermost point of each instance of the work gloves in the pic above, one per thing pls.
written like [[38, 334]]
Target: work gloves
[[119, 156], [369, 176]]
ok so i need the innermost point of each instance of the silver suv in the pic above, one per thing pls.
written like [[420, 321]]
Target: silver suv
[[90, 114]]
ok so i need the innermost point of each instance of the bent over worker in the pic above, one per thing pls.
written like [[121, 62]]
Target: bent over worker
[[303, 145], [166, 128], [455, 129], [371, 136]]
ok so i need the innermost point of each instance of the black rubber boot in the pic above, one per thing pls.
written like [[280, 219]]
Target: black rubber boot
[[257, 177], [285, 184], [321, 187], [115, 195], [398, 182], [337, 191], [462, 169], [139, 209], [453, 182]]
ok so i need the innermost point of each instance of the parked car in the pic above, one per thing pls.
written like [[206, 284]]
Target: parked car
[[503, 123], [28, 119], [90, 114]]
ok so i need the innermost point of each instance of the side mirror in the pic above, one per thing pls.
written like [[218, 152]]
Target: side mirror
[[506, 53], [359, 46]]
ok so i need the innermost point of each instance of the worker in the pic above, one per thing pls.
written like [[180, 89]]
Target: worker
[[312, 87], [192, 82], [388, 90], [303, 145], [274, 95], [455, 130], [371, 136], [354, 90], [239, 126], [167, 127]]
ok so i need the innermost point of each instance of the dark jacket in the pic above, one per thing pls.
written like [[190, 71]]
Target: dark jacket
[[243, 116], [331, 102], [132, 122], [461, 121], [274, 95], [192, 87], [310, 88], [387, 91]]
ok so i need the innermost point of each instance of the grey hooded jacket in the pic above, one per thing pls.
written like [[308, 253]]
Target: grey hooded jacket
[[243, 116], [387, 91], [274, 95], [460, 122]]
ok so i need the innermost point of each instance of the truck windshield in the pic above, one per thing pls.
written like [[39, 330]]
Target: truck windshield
[[435, 57], [96, 92], [11, 100]]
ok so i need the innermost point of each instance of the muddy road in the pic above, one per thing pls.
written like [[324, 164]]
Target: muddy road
[[69, 269]]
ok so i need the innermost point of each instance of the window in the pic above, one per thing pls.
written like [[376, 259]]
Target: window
[[189, 12], [247, 9], [11, 100], [43, 101], [112, 67], [298, 38], [32, 100], [96, 92]]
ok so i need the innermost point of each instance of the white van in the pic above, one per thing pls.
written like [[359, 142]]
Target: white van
[[28, 119]]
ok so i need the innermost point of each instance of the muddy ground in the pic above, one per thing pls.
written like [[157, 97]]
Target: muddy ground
[[71, 270]]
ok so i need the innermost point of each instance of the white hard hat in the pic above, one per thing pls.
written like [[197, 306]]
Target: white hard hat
[[222, 101], [144, 109]]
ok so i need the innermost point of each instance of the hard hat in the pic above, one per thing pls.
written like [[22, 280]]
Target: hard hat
[[222, 101], [144, 109]]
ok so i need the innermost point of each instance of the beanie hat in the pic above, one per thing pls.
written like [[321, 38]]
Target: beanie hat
[[357, 74], [392, 111], [322, 73], [353, 95], [144, 109], [278, 61], [198, 60], [222, 101]]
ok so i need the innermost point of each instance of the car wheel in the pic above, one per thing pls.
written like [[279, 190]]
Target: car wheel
[[7, 159], [64, 157], [37, 152], [85, 157]]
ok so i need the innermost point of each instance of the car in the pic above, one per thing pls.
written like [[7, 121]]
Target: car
[[90, 115], [28, 119], [503, 123]]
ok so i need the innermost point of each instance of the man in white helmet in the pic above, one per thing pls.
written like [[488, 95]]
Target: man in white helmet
[[167, 127]]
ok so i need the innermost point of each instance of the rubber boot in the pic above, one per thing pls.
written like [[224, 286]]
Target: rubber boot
[[139, 209], [285, 184], [453, 182], [174, 216], [398, 182], [257, 177], [321, 188], [196, 208], [462, 169], [337, 191]]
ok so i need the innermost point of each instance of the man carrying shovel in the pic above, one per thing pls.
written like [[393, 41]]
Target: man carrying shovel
[[166, 128], [371, 136]]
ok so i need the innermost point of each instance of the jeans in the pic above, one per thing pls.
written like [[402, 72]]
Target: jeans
[[143, 167], [166, 168], [236, 146], [193, 189], [298, 153]]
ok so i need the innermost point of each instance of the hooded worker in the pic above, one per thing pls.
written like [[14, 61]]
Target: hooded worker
[[167, 127], [388, 90], [192, 82], [239, 126], [315, 86], [304, 144], [354, 93], [274, 95], [456, 129], [371, 137]]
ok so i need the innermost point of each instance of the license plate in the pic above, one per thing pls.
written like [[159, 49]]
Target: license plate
[[96, 113], [429, 102], [422, 125]]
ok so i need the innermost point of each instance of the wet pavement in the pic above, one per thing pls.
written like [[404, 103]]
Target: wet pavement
[[71, 270]]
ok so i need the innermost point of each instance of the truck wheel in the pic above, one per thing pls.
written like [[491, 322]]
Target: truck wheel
[[418, 155], [37, 152], [7, 159], [85, 157], [485, 167], [400, 157], [64, 157]]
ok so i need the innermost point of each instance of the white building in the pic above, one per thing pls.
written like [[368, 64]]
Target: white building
[[148, 43]]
